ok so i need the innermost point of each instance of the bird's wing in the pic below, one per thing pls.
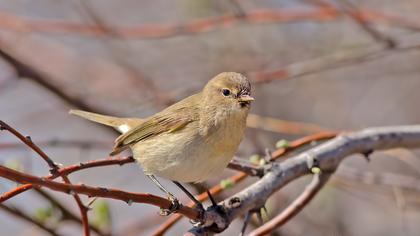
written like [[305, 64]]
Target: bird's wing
[[169, 120]]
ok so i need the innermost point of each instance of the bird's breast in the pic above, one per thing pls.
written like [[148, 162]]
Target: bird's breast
[[188, 155]]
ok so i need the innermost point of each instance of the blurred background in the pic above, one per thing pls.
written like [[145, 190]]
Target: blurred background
[[315, 65]]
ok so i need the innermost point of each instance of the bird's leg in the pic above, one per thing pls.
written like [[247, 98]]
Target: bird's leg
[[175, 203], [198, 204], [213, 202]]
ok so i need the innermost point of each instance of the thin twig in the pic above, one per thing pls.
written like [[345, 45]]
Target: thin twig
[[53, 170], [90, 191], [245, 224], [295, 207], [350, 9], [346, 173], [66, 213], [68, 170], [28, 141], [260, 16], [283, 126], [21, 215]]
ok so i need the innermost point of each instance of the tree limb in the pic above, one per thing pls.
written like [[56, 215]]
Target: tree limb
[[326, 156], [318, 181]]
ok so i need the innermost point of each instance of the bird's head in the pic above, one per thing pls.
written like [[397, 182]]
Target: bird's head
[[229, 90]]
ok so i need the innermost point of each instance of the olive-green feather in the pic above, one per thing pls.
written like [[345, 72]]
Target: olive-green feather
[[172, 119]]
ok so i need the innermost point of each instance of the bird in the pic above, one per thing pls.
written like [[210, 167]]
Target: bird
[[191, 140]]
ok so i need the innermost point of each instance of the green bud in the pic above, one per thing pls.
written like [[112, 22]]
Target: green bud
[[315, 170], [102, 214], [255, 159], [283, 143], [14, 164], [43, 213], [226, 183]]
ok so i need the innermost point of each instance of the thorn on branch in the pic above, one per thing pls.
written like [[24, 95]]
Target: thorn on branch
[[268, 155], [245, 225], [54, 171], [366, 154], [29, 139], [103, 189], [129, 202]]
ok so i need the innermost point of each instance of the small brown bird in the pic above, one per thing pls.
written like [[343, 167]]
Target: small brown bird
[[191, 140]]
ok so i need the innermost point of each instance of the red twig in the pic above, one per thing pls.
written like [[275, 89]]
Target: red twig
[[82, 208], [295, 207], [68, 170], [128, 197], [303, 141], [28, 141], [322, 13], [53, 170]]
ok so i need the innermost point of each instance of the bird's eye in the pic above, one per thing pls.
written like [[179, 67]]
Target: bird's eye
[[226, 92]]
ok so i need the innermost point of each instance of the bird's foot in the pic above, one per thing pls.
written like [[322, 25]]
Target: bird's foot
[[200, 208], [175, 205]]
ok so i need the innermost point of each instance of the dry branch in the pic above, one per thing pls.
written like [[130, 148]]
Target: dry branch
[[68, 170], [324, 13], [318, 181], [90, 191], [239, 177], [326, 156], [21, 215]]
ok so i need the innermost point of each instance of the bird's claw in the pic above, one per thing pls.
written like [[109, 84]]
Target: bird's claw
[[175, 205], [201, 211]]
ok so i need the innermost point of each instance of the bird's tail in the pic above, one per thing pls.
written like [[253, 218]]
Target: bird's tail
[[121, 124]]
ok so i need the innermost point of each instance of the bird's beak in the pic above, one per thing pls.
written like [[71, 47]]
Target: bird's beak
[[245, 98]]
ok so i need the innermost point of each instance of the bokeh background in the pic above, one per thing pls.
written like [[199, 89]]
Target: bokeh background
[[315, 65]]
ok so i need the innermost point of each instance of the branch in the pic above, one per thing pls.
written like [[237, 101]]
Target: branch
[[282, 126], [346, 174], [260, 16], [53, 170], [66, 213], [318, 181], [89, 191], [16, 212], [326, 156], [349, 9], [68, 170], [28, 141], [239, 177]]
